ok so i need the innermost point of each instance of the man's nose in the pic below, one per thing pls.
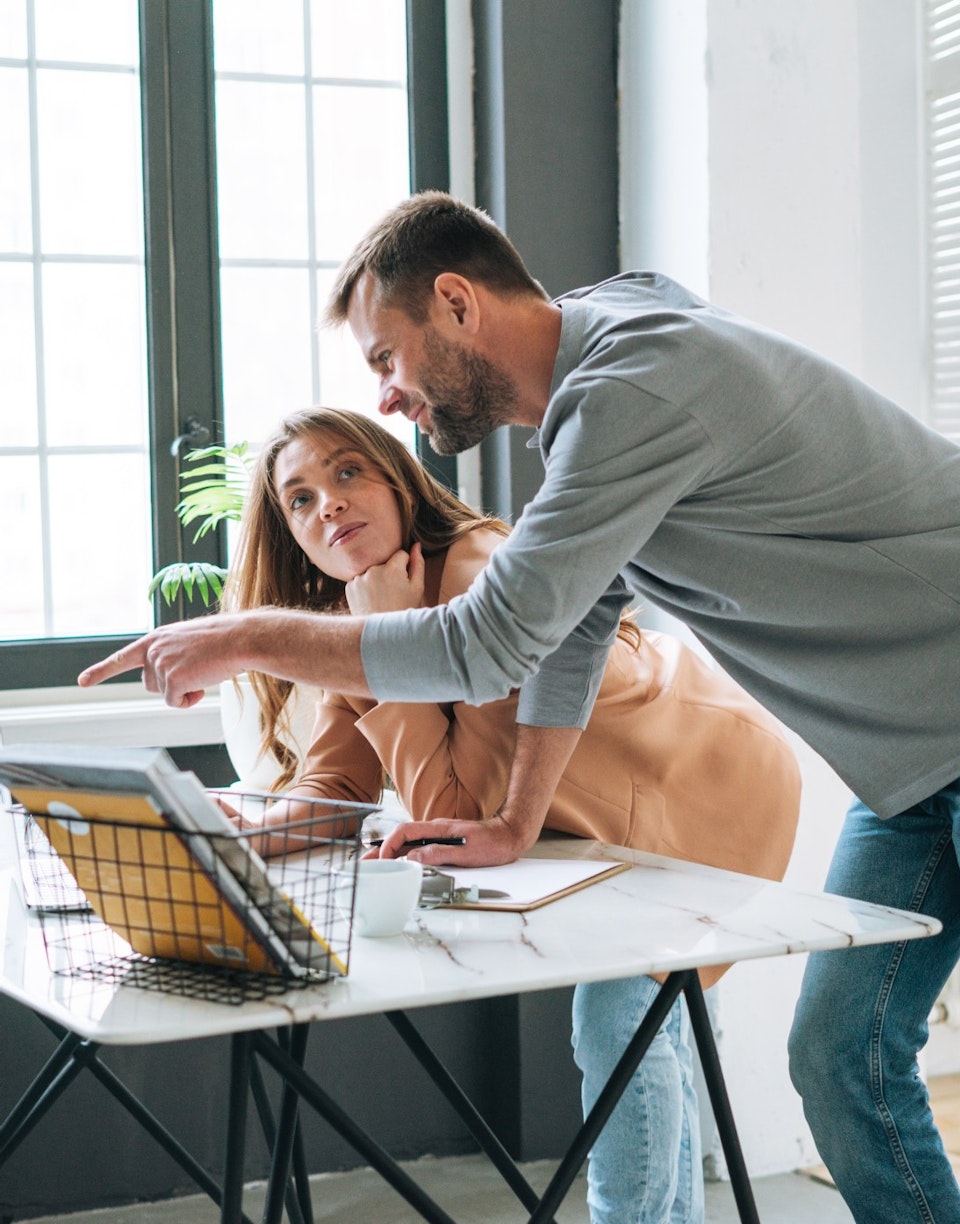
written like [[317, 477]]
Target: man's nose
[[390, 399]]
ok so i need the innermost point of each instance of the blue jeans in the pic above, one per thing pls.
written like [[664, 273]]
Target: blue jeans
[[645, 1167], [862, 1019]]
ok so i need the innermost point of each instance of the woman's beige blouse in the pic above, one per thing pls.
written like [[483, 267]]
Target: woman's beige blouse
[[677, 759]]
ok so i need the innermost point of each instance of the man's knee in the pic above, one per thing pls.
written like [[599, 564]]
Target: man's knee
[[824, 1048], [803, 1061]]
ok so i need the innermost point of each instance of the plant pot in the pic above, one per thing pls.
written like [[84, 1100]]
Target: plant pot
[[240, 720]]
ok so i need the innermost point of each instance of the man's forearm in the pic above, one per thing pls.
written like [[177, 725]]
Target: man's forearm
[[182, 660], [540, 757], [307, 648]]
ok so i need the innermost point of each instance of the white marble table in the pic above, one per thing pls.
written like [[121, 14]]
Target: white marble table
[[661, 916]]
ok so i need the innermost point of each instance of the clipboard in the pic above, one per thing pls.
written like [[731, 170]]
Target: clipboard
[[523, 885]]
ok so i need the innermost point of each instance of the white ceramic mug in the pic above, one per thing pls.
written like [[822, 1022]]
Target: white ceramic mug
[[387, 891]]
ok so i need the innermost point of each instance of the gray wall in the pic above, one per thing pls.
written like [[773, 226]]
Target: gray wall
[[546, 167]]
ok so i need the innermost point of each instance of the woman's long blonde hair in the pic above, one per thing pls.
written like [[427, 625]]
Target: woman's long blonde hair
[[269, 568]]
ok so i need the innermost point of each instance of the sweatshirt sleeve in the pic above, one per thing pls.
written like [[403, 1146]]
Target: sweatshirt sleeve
[[448, 760], [616, 460]]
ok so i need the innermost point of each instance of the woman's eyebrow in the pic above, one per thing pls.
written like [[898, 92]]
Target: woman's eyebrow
[[333, 457]]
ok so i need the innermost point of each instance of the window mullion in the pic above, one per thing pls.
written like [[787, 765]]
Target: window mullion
[[42, 465], [182, 282]]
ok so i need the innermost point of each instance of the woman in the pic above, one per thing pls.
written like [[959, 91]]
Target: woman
[[676, 758]]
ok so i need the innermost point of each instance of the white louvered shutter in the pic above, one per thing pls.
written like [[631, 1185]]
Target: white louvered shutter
[[943, 211]]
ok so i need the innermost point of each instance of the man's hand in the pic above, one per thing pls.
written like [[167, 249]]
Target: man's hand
[[180, 661], [539, 759], [486, 842], [392, 587]]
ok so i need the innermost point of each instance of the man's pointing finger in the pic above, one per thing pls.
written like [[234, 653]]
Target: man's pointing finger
[[123, 660]]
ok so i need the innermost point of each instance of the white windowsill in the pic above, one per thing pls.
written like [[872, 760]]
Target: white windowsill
[[120, 714]]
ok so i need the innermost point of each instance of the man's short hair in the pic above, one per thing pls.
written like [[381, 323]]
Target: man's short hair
[[427, 234]]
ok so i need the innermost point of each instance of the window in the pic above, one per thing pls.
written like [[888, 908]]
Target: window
[[182, 182], [312, 146], [72, 322]]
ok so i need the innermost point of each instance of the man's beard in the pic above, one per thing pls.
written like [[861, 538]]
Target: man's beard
[[467, 395]]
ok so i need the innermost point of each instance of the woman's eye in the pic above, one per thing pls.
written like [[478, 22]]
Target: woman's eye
[[298, 501], [347, 473]]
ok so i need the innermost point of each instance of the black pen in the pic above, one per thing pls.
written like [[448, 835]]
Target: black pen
[[425, 841]]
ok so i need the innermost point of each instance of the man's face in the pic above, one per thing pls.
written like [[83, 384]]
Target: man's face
[[454, 394], [468, 396]]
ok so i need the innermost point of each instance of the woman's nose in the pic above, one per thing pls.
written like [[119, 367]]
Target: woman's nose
[[331, 504]]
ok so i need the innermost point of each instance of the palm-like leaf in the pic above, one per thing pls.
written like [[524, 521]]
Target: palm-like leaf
[[206, 578], [217, 490]]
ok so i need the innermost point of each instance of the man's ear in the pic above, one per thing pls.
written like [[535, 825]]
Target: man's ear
[[456, 302]]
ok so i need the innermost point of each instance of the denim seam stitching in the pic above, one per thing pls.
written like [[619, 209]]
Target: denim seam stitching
[[876, 1069]]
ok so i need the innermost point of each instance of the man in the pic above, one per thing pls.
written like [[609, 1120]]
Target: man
[[806, 529]]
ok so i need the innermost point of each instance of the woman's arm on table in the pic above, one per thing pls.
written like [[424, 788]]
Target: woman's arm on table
[[340, 766]]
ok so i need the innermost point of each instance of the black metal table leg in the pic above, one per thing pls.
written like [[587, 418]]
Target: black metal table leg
[[286, 1055], [231, 1206], [687, 981], [56, 1075], [379, 1159], [283, 1143], [153, 1127], [72, 1056], [297, 1049], [606, 1102], [713, 1076], [544, 1208], [467, 1111]]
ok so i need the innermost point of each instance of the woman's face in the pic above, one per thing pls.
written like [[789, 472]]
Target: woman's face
[[338, 506]]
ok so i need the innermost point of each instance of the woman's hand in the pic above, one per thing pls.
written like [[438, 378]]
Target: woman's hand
[[266, 826], [392, 587]]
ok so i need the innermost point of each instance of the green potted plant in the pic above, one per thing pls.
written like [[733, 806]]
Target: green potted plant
[[213, 491]]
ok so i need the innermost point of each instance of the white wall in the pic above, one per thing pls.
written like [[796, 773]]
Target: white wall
[[770, 154]]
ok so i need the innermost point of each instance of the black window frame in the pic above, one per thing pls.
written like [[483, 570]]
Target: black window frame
[[182, 280]]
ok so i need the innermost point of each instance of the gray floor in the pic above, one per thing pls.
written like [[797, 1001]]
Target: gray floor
[[473, 1194]]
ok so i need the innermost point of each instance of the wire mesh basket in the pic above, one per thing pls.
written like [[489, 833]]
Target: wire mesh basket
[[241, 913]]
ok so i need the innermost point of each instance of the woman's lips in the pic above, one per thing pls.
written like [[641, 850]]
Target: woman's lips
[[342, 533]]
